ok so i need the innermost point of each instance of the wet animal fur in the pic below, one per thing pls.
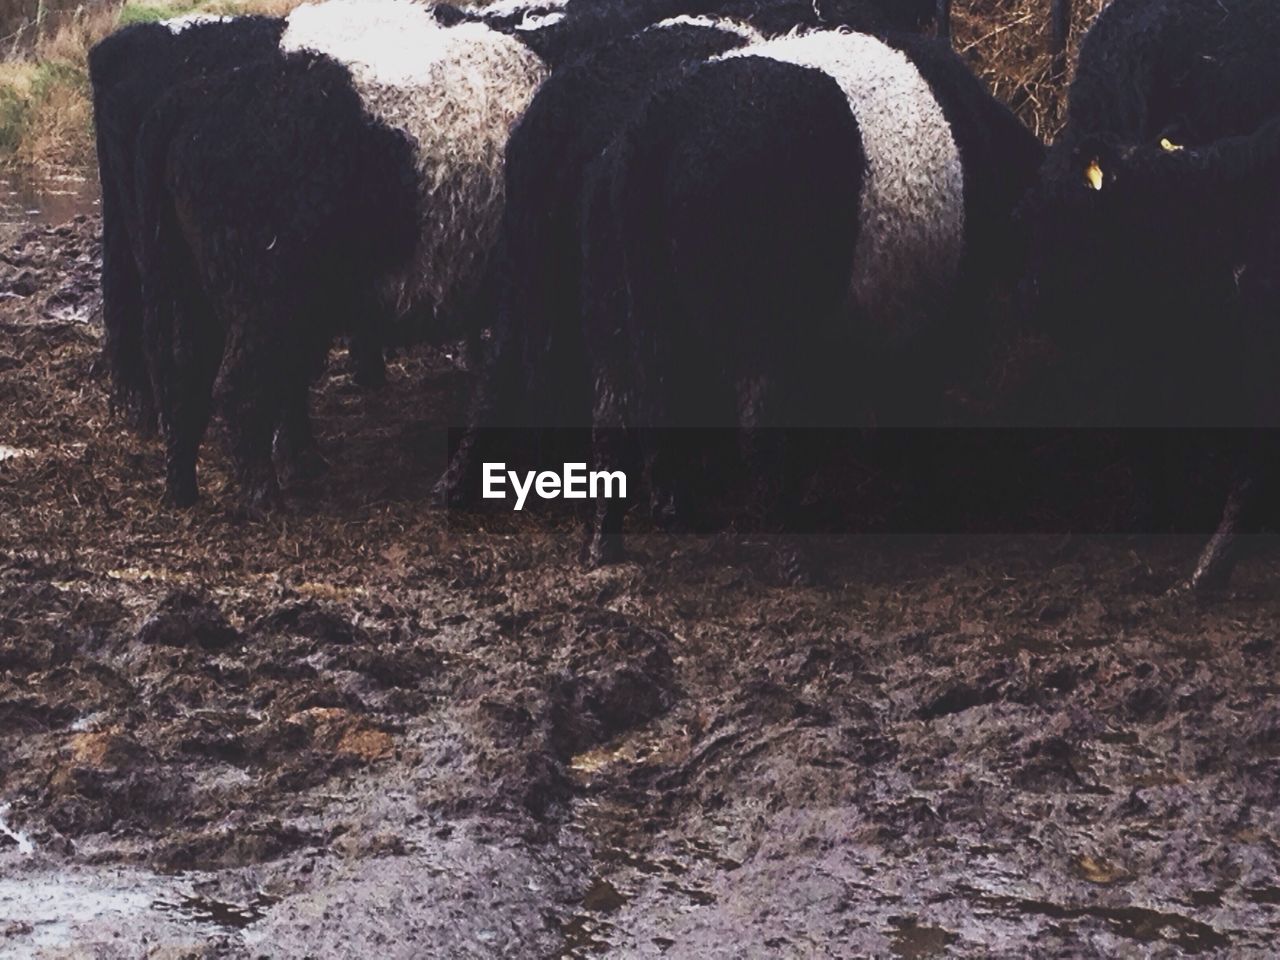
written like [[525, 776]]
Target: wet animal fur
[[455, 92], [255, 255], [130, 71], [722, 236]]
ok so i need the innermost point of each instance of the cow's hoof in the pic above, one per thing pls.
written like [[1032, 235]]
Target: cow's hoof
[[601, 550], [1198, 587], [261, 499], [665, 513], [446, 495], [181, 497], [303, 467], [1182, 592], [458, 485], [1212, 574], [371, 379], [181, 489], [142, 420]]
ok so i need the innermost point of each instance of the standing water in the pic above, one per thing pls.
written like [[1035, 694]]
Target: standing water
[[24, 202], [19, 838], [49, 248]]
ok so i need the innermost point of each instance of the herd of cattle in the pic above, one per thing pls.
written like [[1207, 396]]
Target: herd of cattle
[[657, 213]]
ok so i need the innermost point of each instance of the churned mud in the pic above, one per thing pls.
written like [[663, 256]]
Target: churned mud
[[363, 727]]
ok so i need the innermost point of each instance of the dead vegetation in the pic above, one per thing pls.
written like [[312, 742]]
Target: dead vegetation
[[1008, 44], [23, 22], [46, 117]]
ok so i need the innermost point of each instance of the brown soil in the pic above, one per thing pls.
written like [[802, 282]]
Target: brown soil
[[361, 727]]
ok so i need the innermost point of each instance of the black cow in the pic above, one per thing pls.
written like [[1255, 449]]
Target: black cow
[[1155, 231], [130, 71], [254, 255], [776, 240]]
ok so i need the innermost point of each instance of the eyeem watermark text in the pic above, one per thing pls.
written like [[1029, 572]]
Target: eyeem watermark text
[[573, 482]]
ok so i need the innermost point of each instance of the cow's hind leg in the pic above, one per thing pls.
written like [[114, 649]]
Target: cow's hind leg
[[258, 381], [1218, 559], [297, 452], [186, 419], [122, 317], [368, 362], [499, 399], [1246, 510], [610, 451], [183, 344]]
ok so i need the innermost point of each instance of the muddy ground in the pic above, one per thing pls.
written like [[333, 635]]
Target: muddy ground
[[361, 727]]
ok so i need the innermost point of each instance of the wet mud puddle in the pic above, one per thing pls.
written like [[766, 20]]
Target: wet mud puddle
[[11, 836], [24, 203], [49, 253]]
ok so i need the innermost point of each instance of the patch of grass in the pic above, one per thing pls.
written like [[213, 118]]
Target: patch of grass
[[46, 114], [45, 119], [151, 12], [58, 128], [15, 104], [269, 8]]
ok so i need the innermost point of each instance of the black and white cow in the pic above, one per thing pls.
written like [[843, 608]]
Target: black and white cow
[[536, 375], [357, 177], [130, 71], [133, 68], [779, 239], [1155, 229]]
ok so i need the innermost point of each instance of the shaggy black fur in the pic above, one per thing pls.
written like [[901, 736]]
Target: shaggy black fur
[[695, 315], [254, 254], [589, 23], [537, 374], [1137, 297], [718, 247], [1000, 159], [1195, 70], [1160, 287], [130, 71], [572, 119]]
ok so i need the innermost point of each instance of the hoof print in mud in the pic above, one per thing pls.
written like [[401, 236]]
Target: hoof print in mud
[[106, 780], [187, 620], [956, 697], [620, 676], [310, 620]]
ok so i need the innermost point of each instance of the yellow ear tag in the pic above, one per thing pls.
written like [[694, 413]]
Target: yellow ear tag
[[1093, 175], [1169, 146]]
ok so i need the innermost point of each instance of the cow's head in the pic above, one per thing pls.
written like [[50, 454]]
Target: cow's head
[[1134, 252], [1113, 225]]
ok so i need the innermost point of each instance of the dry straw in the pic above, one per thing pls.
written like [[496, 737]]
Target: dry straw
[[1007, 43]]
